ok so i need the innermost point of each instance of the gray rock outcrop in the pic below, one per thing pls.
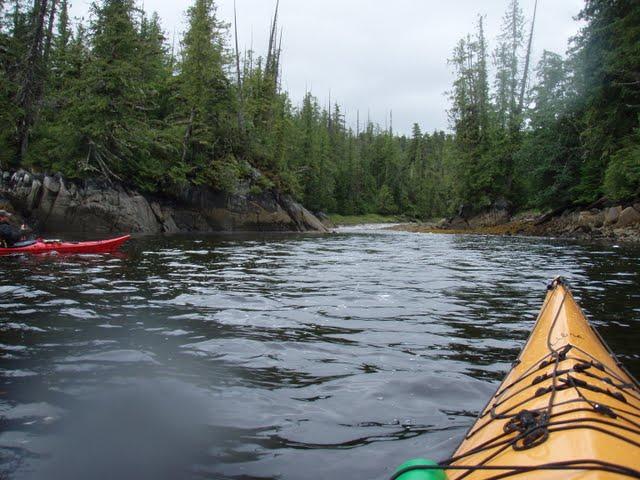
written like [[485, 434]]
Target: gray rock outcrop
[[325, 219], [55, 204]]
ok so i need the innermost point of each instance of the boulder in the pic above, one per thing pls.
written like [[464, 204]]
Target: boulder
[[458, 223], [628, 216], [591, 220], [302, 217], [611, 215]]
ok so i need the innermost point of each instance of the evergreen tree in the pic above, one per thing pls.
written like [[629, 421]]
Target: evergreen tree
[[507, 64], [109, 112], [31, 77], [548, 160], [508, 85], [205, 101], [469, 115], [14, 35]]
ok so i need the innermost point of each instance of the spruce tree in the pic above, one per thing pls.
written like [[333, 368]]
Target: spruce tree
[[113, 99], [548, 160], [205, 99]]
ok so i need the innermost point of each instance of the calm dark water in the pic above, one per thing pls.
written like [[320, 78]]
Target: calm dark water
[[276, 356]]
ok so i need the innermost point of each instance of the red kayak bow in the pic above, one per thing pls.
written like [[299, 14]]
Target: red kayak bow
[[46, 246]]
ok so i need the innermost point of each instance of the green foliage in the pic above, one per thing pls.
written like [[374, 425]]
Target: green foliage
[[575, 137], [119, 103], [110, 98], [224, 174], [386, 204], [204, 94], [548, 162], [607, 60], [14, 37], [622, 178], [507, 62], [470, 112]]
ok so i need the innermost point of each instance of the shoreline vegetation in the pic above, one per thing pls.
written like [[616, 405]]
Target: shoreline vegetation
[[371, 218], [107, 99]]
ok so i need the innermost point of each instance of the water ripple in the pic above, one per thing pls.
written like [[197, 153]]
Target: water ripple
[[280, 356]]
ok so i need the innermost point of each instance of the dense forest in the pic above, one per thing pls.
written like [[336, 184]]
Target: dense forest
[[112, 97]]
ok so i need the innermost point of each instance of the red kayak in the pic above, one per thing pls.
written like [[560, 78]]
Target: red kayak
[[46, 246]]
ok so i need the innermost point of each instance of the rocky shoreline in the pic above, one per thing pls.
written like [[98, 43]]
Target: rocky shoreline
[[53, 204], [599, 222]]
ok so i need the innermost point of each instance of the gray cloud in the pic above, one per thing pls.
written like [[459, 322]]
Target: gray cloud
[[375, 55]]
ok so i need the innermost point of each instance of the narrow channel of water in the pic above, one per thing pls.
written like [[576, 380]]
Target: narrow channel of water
[[255, 357]]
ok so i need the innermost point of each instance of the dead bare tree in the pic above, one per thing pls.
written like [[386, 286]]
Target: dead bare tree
[[239, 77], [525, 74], [270, 82], [279, 64], [272, 66]]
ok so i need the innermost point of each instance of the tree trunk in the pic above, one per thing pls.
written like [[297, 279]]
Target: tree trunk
[[187, 135], [28, 91], [48, 40]]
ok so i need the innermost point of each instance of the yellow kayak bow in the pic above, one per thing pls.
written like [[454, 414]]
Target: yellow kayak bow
[[567, 410]]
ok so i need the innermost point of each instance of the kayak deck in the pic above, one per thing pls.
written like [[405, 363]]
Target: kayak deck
[[43, 246], [567, 410]]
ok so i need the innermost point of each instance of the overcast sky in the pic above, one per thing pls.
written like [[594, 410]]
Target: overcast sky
[[374, 55]]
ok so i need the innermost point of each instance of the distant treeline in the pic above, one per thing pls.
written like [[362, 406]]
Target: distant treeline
[[112, 97]]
